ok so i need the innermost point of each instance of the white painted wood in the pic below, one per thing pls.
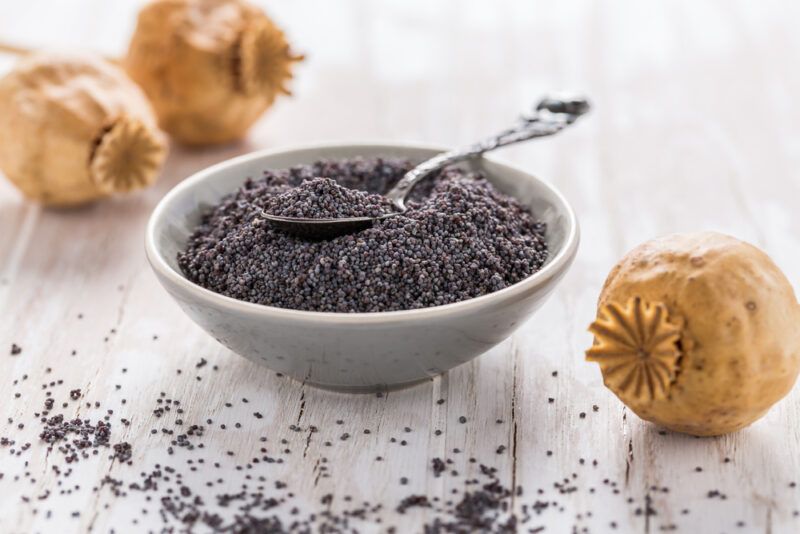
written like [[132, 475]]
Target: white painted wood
[[695, 127]]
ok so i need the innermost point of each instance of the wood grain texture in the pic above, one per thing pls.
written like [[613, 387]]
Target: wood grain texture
[[694, 128]]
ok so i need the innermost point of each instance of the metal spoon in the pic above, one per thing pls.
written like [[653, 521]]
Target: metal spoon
[[550, 116]]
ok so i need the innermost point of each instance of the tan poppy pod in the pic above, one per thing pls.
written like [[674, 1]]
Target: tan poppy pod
[[74, 129], [697, 333], [210, 67]]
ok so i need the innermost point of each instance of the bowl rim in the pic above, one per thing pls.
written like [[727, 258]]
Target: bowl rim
[[554, 267]]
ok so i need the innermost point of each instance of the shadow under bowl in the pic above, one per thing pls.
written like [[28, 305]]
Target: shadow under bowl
[[355, 352]]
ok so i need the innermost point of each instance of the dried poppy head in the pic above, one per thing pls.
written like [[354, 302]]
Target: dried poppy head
[[210, 67], [697, 333], [76, 128]]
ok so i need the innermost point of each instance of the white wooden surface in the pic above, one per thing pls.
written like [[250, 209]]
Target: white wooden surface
[[695, 127]]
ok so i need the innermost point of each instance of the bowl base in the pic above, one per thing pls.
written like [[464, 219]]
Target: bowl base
[[376, 388]]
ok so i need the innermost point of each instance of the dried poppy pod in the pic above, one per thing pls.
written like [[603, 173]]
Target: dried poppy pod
[[210, 67], [698, 333], [74, 129]]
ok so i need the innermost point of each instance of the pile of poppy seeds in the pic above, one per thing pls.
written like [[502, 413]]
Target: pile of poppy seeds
[[323, 198], [460, 238]]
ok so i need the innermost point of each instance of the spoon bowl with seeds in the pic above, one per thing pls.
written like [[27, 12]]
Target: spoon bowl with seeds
[[550, 116]]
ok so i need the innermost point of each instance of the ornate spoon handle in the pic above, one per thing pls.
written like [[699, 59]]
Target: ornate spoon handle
[[551, 115]]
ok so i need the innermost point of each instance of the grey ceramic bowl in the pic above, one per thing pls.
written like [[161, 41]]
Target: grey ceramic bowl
[[358, 351]]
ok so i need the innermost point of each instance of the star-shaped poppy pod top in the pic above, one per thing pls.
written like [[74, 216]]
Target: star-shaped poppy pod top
[[264, 60], [127, 156], [637, 349]]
